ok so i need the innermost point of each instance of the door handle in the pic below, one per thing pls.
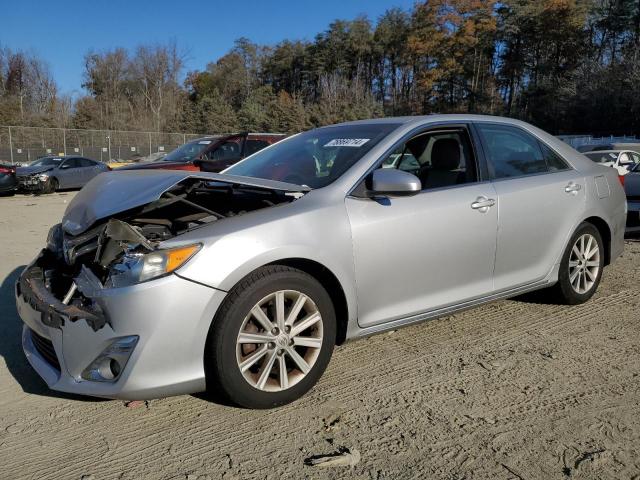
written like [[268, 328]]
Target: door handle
[[483, 204], [573, 187]]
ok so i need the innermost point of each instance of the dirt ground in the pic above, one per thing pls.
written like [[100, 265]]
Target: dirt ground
[[515, 389]]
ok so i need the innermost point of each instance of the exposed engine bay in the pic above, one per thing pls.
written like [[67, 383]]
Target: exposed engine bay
[[123, 249]]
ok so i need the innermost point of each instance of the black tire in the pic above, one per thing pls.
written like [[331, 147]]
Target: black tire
[[223, 374], [50, 186], [563, 291]]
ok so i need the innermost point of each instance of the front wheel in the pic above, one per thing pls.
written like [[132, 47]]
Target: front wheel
[[581, 266], [272, 338], [50, 186]]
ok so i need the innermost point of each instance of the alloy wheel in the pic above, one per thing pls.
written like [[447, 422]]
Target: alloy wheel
[[279, 341], [584, 263]]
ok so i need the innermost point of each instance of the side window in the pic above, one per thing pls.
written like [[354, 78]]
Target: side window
[[511, 151], [636, 157], [84, 162], [253, 146], [439, 159], [228, 150], [71, 163], [402, 159], [555, 162]]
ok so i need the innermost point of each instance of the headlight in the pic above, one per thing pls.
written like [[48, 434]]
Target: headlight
[[43, 177], [138, 267]]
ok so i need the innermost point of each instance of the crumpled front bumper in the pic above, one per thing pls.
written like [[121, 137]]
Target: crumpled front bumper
[[30, 183], [170, 315]]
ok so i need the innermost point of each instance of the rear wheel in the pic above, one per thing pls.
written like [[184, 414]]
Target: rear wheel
[[581, 266], [272, 338]]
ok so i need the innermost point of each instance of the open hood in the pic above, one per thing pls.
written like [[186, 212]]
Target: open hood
[[114, 192], [24, 171]]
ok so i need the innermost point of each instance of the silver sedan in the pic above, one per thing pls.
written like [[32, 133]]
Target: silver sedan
[[167, 282]]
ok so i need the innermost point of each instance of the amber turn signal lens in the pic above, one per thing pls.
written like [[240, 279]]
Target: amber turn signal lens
[[176, 257]]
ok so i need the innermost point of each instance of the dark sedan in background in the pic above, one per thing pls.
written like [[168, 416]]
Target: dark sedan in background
[[632, 190], [211, 154], [8, 179], [48, 174]]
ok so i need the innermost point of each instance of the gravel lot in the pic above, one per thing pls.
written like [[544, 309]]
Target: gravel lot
[[515, 389]]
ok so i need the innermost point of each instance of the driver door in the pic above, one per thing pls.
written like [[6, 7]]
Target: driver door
[[422, 253]]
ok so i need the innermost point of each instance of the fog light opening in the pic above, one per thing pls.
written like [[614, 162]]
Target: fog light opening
[[109, 365], [109, 368], [115, 368]]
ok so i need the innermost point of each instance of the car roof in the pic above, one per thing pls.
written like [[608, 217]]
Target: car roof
[[207, 137], [436, 117], [607, 151]]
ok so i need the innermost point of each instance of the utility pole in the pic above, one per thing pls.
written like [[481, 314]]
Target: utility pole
[[10, 146], [109, 140]]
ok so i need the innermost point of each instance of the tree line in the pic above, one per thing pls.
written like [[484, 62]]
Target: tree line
[[568, 66]]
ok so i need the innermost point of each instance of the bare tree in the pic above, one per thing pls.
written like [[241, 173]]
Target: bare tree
[[155, 70]]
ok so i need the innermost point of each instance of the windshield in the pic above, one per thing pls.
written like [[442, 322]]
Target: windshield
[[315, 158], [45, 162], [187, 152], [600, 157]]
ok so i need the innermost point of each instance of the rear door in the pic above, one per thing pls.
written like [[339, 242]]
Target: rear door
[[540, 199], [89, 169]]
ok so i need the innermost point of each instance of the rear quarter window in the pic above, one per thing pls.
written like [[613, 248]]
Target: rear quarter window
[[555, 162]]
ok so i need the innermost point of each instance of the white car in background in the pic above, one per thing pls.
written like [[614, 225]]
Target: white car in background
[[622, 160]]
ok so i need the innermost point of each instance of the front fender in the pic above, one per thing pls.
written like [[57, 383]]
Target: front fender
[[241, 245]]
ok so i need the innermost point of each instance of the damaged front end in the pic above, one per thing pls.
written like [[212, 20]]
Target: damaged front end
[[33, 181], [66, 280]]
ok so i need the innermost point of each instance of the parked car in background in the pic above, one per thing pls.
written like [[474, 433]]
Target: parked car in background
[[169, 282], [621, 160], [211, 154], [632, 190], [8, 179], [596, 147], [48, 174]]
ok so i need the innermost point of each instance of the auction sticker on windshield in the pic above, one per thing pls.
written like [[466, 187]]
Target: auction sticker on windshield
[[347, 142]]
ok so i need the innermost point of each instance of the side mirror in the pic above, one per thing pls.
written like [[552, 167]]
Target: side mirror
[[393, 182], [66, 165]]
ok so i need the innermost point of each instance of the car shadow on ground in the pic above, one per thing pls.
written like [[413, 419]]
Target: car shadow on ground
[[11, 344]]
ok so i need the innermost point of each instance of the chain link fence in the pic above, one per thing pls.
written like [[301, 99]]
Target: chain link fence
[[24, 144], [579, 140]]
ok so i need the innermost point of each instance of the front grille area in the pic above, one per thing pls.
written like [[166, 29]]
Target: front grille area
[[45, 348]]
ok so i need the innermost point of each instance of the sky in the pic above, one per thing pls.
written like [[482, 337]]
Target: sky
[[62, 32]]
